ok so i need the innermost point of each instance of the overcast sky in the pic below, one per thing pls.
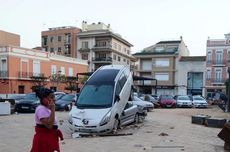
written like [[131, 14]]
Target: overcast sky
[[141, 22]]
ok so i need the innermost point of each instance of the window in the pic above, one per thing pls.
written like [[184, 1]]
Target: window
[[114, 57], [128, 52], [59, 49], [146, 65], [59, 38], [53, 69], [119, 58], [63, 70], [36, 68], [125, 50], [3, 65], [51, 49], [162, 62], [208, 74], [51, 39], [84, 56], [228, 55], [124, 60], [101, 43], [218, 75], [209, 56], [128, 62], [85, 45], [115, 45], [159, 49], [119, 47], [162, 76], [219, 57], [70, 71]]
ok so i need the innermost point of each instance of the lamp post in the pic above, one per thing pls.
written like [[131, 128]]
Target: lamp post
[[228, 102]]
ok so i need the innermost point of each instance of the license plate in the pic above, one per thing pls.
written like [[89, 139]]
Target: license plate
[[168, 106], [23, 107]]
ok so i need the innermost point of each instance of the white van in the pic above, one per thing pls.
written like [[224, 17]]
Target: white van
[[102, 100]]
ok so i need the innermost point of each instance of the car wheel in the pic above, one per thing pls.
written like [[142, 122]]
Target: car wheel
[[136, 118], [115, 126], [67, 108]]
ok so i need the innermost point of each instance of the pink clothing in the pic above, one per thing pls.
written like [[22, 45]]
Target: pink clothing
[[42, 112]]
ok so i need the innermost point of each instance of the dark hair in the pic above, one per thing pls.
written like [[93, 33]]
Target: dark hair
[[42, 92]]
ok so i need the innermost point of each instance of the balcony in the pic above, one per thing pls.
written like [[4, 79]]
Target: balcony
[[102, 60], [3, 74], [219, 63], [28, 75], [102, 47], [217, 81], [84, 50]]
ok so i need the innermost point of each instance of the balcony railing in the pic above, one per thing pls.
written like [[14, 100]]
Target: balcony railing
[[3, 74], [217, 80], [102, 47], [105, 59], [29, 74], [84, 50]]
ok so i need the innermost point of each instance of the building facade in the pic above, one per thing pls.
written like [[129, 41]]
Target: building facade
[[217, 63], [99, 45], [18, 66], [61, 40], [190, 75], [159, 62], [7, 38]]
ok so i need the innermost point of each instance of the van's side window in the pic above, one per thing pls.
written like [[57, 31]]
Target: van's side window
[[122, 80], [118, 89]]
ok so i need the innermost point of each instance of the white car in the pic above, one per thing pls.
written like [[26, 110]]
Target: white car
[[139, 102], [102, 100], [183, 101], [199, 102]]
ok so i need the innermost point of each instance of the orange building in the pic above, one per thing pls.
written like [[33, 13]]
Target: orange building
[[18, 65], [7, 38]]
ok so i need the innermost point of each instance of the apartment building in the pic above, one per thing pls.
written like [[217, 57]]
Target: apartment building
[[190, 75], [217, 63], [61, 40], [99, 45], [18, 65], [159, 62], [7, 38]]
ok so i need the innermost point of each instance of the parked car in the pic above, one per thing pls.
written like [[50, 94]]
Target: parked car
[[65, 102], [17, 97], [150, 98], [139, 102], [183, 101], [155, 96], [28, 103], [167, 101], [102, 100], [58, 95], [199, 102]]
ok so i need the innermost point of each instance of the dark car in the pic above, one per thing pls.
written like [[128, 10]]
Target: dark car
[[65, 102], [28, 103], [167, 101]]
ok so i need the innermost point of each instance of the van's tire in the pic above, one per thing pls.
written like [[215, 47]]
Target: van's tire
[[115, 126], [136, 118]]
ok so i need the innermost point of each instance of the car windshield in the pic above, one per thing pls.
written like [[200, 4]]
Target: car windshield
[[198, 98], [183, 98], [67, 97], [95, 96], [31, 96], [167, 97]]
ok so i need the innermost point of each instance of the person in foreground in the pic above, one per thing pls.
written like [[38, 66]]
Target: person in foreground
[[47, 134]]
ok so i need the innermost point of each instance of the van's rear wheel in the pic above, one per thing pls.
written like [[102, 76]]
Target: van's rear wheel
[[115, 126], [136, 119]]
